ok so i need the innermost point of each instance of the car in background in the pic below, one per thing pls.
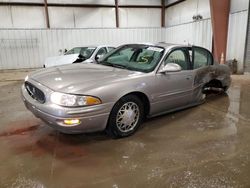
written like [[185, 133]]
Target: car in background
[[131, 83], [79, 54]]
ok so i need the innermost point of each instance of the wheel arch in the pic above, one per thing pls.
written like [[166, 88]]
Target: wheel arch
[[214, 82], [143, 97], [114, 132], [214, 85]]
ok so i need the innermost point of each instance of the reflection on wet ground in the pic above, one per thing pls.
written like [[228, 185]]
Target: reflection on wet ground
[[205, 146]]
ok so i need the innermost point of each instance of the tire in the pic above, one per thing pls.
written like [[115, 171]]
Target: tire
[[125, 117]]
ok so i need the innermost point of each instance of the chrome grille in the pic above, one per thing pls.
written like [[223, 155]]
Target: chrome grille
[[34, 92]]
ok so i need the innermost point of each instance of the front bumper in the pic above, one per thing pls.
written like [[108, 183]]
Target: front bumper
[[93, 118]]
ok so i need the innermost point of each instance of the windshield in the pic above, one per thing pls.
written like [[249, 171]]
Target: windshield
[[84, 51], [136, 57]]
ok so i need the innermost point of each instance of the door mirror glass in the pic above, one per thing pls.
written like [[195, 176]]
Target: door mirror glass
[[170, 67]]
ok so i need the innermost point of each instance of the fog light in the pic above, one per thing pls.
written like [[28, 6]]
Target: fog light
[[71, 121]]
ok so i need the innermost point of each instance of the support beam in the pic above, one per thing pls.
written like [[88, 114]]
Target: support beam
[[116, 13], [139, 6], [80, 5], [220, 17], [46, 13], [21, 4], [86, 5], [174, 3], [162, 13], [56, 5]]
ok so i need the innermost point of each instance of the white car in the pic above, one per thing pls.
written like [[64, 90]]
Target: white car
[[87, 54]]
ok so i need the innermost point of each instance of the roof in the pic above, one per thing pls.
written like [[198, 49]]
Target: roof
[[94, 46], [167, 45], [161, 44]]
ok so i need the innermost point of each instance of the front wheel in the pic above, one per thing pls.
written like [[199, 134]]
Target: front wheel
[[125, 117]]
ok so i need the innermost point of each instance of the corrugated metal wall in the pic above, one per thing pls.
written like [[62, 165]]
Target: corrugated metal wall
[[197, 33], [183, 13], [33, 17], [24, 48], [247, 50], [237, 37], [29, 48], [237, 32]]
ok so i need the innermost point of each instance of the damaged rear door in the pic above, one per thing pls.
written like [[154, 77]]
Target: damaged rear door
[[202, 65]]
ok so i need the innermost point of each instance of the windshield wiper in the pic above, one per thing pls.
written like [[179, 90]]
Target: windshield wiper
[[105, 63], [120, 66], [112, 65]]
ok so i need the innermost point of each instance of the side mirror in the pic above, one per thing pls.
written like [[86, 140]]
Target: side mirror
[[171, 67], [65, 51], [99, 56]]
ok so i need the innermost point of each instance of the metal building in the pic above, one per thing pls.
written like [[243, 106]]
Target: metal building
[[182, 119], [48, 26]]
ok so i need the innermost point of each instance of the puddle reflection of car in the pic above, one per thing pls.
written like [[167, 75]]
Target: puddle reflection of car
[[79, 54], [132, 82]]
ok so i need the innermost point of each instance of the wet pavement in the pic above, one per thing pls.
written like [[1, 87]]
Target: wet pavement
[[204, 146]]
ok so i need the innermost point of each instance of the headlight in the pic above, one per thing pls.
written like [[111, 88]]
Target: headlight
[[73, 100]]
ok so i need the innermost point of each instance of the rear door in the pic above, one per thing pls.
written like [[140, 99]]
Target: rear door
[[203, 71]]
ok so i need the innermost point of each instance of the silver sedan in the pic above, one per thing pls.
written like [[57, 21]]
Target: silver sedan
[[117, 93]]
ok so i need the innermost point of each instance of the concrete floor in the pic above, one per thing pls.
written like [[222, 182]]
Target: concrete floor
[[205, 146]]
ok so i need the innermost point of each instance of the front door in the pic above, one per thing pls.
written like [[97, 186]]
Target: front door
[[174, 89]]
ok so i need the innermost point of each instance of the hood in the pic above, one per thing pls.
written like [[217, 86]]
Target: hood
[[60, 60], [80, 77]]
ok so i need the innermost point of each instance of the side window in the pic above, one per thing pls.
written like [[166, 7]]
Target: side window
[[87, 52], [101, 51], [110, 48], [178, 57], [201, 58]]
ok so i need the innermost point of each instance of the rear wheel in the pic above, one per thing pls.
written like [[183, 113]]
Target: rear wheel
[[125, 117]]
